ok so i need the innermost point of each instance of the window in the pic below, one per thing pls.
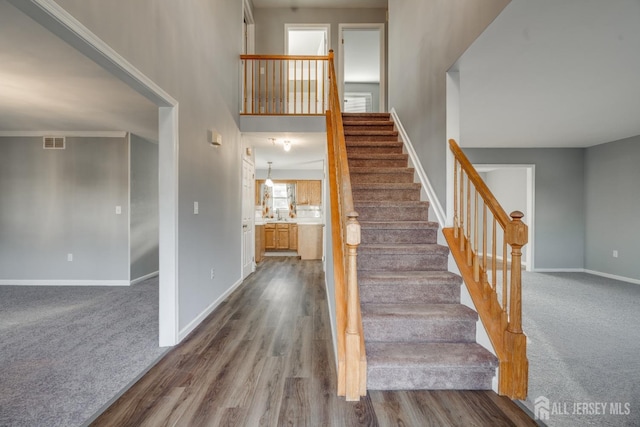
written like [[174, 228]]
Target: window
[[280, 199]]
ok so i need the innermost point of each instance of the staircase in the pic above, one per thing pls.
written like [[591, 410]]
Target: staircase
[[417, 334]]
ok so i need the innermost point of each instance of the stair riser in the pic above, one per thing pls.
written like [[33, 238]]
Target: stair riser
[[402, 262], [368, 127], [373, 149], [429, 378], [392, 195], [402, 329], [377, 213], [416, 294], [365, 117], [368, 178], [377, 163], [379, 138], [422, 235]]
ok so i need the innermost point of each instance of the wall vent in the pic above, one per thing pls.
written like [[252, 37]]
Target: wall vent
[[53, 142]]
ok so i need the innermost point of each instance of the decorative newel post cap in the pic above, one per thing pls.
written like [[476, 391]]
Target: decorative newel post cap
[[516, 215]]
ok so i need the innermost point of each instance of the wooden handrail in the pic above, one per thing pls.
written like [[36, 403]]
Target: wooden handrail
[[500, 314], [279, 85], [346, 238]]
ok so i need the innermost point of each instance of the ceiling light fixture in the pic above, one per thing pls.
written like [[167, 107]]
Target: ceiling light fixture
[[269, 182], [287, 145]]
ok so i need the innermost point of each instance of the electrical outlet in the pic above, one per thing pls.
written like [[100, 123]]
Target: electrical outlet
[[615, 253], [69, 257], [118, 210], [213, 273], [196, 208]]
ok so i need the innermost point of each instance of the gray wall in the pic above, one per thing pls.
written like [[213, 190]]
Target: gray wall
[[559, 200], [612, 204], [56, 202], [191, 50], [270, 24], [144, 207], [509, 186], [425, 39]]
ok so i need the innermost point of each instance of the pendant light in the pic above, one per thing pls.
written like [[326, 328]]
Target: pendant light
[[269, 182]]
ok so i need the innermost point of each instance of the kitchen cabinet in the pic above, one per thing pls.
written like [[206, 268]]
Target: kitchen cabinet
[[310, 241], [293, 237], [270, 236], [282, 236], [309, 192], [259, 243]]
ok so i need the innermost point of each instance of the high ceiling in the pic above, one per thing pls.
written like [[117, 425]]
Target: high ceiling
[[45, 86], [553, 73]]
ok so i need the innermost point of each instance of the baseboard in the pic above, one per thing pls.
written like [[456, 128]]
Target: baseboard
[[332, 322], [64, 283], [584, 270], [613, 276], [145, 277], [207, 311]]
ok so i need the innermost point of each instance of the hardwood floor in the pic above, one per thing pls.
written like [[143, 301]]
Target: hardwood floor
[[265, 357]]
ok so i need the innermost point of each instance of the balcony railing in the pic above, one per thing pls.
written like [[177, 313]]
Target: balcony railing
[[284, 85]]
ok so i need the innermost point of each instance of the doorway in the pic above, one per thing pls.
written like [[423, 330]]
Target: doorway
[[361, 68], [248, 196], [307, 39]]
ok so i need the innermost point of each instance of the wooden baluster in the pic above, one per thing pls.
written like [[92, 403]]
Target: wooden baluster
[[315, 70], [308, 86], [273, 86], [476, 264], [456, 227], [505, 279], [494, 273], [253, 82], [461, 195], [244, 87], [295, 84], [487, 287], [468, 233]]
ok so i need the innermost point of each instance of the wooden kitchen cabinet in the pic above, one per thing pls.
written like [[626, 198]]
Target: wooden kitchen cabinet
[[282, 236], [309, 192], [310, 241], [270, 236], [315, 192], [293, 237], [259, 243]]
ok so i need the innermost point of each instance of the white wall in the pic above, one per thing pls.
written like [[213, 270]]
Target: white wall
[[425, 39], [190, 49]]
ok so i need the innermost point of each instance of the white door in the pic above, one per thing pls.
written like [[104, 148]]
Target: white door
[[248, 194], [361, 67]]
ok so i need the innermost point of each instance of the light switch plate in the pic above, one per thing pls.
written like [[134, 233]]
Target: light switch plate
[[195, 208]]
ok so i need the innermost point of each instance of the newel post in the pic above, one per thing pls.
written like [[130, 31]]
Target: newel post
[[514, 372], [353, 302]]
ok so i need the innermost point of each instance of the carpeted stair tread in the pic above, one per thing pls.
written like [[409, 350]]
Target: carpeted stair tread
[[370, 143], [419, 311], [378, 156], [418, 322], [382, 354], [366, 116], [412, 287], [405, 249], [408, 277], [400, 204], [348, 122], [356, 132], [377, 186], [399, 225]]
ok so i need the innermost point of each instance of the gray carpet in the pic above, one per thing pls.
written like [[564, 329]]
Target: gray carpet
[[584, 346], [67, 351]]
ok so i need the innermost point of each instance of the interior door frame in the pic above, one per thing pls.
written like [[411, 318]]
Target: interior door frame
[[57, 20], [287, 27], [248, 202], [383, 61]]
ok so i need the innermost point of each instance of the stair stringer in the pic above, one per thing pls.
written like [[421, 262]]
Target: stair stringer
[[435, 208]]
